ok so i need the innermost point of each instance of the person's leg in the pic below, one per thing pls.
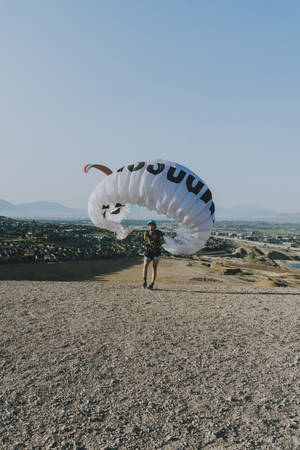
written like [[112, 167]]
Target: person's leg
[[154, 273], [145, 271], [154, 270]]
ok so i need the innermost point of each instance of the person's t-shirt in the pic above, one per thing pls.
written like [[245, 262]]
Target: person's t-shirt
[[154, 240]]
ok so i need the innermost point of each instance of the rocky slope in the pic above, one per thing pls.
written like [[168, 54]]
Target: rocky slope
[[93, 365]]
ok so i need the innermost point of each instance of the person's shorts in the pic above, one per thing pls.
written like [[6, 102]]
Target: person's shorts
[[152, 257]]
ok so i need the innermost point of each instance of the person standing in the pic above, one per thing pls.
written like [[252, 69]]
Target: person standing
[[153, 240]]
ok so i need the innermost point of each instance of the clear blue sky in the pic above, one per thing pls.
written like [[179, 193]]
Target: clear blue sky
[[213, 85]]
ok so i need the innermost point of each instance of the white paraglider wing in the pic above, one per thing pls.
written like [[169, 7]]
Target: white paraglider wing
[[162, 186]]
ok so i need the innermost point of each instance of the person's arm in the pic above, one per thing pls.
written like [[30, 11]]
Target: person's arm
[[161, 238], [145, 241]]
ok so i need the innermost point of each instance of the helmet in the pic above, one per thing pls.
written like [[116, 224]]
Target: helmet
[[152, 222]]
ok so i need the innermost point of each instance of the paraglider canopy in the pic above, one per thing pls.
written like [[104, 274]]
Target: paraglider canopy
[[103, 169], [162, 186]]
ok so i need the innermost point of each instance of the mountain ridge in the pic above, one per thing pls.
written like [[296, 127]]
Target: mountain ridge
[[39, 209], [54, 209]]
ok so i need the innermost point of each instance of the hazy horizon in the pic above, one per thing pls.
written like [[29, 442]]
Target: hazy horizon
[[139, 211], [214, 86], [252, 205]]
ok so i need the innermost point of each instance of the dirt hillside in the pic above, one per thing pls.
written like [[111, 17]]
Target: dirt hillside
[[102, 365]]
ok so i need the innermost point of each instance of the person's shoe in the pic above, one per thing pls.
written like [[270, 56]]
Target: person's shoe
[[151, 286], [145, 284]]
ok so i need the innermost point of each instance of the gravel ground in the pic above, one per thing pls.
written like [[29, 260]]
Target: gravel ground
[[93, 365]]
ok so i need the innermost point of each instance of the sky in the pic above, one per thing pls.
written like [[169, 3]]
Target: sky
[[213, 85]]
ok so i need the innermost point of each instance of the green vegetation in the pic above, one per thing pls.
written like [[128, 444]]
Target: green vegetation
[[40, 241], [33, 241]]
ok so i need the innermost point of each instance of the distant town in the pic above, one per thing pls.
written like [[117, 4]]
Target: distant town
[[35, 241], [264, 233]]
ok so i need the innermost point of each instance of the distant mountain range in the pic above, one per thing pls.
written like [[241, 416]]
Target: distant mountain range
[[251, 212], [40, 210], [56, 210]]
